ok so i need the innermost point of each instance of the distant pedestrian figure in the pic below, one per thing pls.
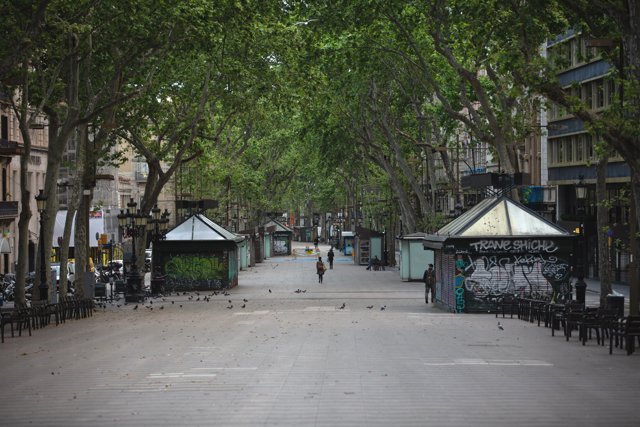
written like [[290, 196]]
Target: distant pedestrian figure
[[429, 278], [374, 262], [330, 258], [320, 269], [315, 242]]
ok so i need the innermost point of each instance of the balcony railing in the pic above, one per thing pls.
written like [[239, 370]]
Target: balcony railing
[[10, 148], [8, 210]]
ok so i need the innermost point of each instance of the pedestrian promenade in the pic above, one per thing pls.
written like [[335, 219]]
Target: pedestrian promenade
[[361, 349]]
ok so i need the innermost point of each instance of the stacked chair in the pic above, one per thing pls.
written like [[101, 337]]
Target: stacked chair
[[40, 316]]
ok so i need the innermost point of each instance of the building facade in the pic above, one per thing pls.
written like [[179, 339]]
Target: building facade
[[571, 153], [11, 149]]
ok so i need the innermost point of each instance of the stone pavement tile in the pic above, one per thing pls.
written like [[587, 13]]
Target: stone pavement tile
[[291, 359]]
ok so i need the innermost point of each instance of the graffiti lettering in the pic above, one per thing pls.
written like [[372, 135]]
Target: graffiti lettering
[[459, 284], [196, 271], [485, 276], [460, 300], [173, 284], [513, 246], [280, 247], [555, 272]]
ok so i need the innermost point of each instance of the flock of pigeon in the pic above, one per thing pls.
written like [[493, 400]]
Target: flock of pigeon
[[197, 296], [207, 298]]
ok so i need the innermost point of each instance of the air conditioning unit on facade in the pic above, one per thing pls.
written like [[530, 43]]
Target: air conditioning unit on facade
[[549, 195]]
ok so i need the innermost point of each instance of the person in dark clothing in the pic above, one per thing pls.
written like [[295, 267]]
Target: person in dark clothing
[[330, 256], [320, 269], [429, 279]]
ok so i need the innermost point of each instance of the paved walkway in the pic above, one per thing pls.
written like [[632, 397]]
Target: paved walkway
[[291, 355]]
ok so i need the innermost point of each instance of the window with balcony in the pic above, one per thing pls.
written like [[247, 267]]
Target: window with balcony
[[141, 170], [599, 89], [4, 127], [579, 149], [572, 150]]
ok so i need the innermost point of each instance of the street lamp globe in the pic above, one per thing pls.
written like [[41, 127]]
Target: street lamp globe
[[41, 201], [155, 212], [581, 190], [132, 207]]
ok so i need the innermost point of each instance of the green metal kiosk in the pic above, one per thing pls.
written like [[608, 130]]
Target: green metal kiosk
[[199, 254]]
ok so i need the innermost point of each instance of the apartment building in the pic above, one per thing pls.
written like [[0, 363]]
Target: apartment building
[[11, 148], [571, 156]]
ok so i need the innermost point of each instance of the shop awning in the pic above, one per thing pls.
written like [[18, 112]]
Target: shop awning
[[96, 226]]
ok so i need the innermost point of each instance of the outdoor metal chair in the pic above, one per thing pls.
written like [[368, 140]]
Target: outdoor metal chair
[[6, 318], [555, 317], [22, 318], [631, 333], [508, 303], [615, 329], [572, 316], [538, 310], [589, 323]]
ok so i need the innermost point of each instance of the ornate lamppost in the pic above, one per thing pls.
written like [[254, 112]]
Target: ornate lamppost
[[157, 225], [133, 223], [43, 288], [581, 198]]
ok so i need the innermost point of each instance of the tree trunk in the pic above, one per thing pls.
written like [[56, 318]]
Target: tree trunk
[[54, 158], [81, 232], [604, 248], [23, 226], [22, 111]]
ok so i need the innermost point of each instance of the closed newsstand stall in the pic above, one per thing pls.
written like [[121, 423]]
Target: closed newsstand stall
[[414, 259], [498, 247], [348, 240], [198, 254], [368, 245], [281, 238]]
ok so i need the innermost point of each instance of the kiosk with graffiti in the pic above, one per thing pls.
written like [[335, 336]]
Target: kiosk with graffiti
[[500, 247], [486, 277], [280, 246], [187, 272]]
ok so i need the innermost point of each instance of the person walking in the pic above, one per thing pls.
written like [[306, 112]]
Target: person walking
[[429, 278], [330, 256], [320, 269]]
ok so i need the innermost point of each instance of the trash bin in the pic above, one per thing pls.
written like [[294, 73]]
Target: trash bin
[[616, 303], [88, 281], [101, 290], [581, 290], [121, 286]]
